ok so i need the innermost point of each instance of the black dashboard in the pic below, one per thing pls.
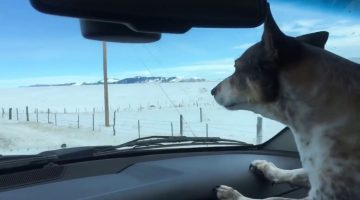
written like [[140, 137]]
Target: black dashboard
[[183, 177], [186, 174]]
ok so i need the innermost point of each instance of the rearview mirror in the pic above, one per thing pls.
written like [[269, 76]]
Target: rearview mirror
[[112, 32]]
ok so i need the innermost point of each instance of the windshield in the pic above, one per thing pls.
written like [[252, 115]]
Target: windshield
[[52, 91]]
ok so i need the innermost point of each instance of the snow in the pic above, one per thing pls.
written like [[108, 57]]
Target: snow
[[155, 105], [32, 138], [78, 84], [110, 80]]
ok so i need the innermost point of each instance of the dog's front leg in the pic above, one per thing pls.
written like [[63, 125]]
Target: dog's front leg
[[295, 177], [227, 193]]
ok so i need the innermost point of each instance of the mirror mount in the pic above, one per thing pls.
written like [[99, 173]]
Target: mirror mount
[[112, 32]]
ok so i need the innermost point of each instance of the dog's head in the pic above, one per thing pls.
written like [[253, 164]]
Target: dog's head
[[256, 77]]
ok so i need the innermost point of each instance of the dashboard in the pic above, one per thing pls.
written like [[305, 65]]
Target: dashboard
[[186, 175]]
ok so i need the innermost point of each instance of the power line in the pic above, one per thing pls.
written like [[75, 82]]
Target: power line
[[162, 89]]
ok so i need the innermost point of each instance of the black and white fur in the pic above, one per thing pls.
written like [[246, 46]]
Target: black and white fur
[[317, 94]]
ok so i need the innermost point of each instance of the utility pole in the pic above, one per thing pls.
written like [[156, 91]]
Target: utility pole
[[106, 93]]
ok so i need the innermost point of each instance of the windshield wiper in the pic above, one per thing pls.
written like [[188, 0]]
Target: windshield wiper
[[23, 162], [54, 157], [174, 141]]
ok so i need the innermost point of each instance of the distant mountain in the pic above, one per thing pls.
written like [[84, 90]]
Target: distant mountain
[[158, 79], [48, 85], [110, 81], [136, 79], [143, 79]]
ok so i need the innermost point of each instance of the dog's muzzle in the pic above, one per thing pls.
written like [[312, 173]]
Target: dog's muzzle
[[214, 91]]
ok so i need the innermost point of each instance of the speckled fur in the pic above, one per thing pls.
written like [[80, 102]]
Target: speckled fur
[[314, 92]]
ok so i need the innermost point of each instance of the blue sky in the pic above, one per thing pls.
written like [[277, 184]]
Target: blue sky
[[39, 48]]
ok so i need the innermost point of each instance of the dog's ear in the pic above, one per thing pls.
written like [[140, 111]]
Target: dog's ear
[[273, 38], [317, 39]]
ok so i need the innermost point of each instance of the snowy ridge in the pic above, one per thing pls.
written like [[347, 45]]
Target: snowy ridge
[[132, 80]]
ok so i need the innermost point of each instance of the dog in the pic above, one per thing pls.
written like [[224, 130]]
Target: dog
[[316, 93]]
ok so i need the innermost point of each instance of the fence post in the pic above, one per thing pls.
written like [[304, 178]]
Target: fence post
[[139, 128], [259, 130], [78, 121], [10, 113], [64, 110], [37, 115], [17, 114], [48, 115], [27, 113], [93, 121], [207, 130], [181, 125], [201, 115], [3, 113], [55, 120], [172, 129], [114, 122]]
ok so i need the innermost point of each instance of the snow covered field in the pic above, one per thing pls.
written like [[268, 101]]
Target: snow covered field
[[154, 105]]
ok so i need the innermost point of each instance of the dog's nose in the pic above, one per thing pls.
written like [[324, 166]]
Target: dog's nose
[[213, 91]]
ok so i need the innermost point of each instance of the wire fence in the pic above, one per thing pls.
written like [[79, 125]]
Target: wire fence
[[135, 122]]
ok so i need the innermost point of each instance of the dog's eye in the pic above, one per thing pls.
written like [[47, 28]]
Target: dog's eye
[[264, 64]]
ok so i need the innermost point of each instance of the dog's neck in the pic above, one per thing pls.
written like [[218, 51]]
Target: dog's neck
[[323, 90]]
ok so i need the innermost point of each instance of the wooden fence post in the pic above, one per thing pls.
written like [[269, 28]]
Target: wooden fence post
[[27, 113], [201, 115], [181, 125], [93, 121], [259, 130], [37, 115], [3, 113], [10, 113], [17, 114], [207, 130], [48, 115], [139, 128], [78, 121], [172, 129], [55, 120], [114, 122]]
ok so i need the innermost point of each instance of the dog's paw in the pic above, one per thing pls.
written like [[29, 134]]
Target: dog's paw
[[224, 192], [265, 169]]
